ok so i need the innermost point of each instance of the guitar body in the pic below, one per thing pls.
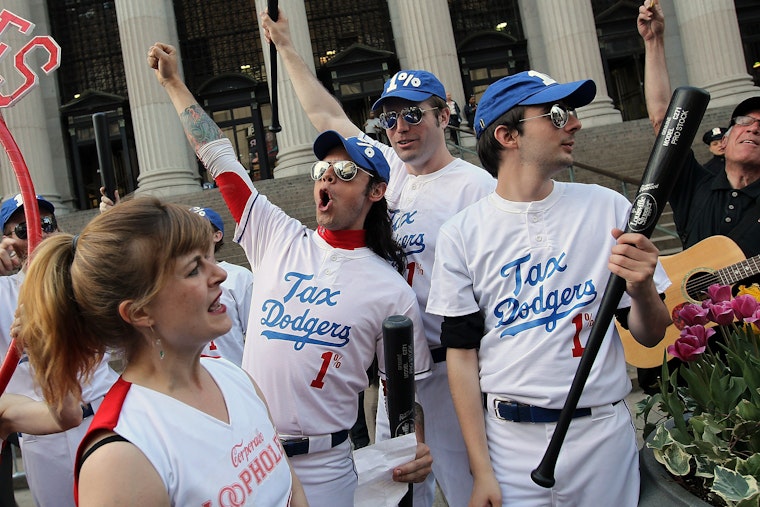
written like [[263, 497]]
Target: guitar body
[[690, 272]]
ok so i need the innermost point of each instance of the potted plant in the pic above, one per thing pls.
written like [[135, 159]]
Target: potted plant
[[708, 433]]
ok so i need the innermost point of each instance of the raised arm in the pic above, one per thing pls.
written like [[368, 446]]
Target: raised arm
[[323, 110], [199, 127], [232, 179], [651, 25]]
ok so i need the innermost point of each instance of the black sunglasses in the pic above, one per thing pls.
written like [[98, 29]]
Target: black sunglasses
[[412, 115], [49, 225]]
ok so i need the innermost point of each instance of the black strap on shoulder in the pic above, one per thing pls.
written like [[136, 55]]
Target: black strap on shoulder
[[97, 445]]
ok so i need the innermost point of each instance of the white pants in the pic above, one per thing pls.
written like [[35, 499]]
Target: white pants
[[329, 478], [451, 467], [49, 465], [597, 465]]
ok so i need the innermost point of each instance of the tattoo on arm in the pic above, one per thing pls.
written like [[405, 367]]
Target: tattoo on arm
[[199, 127]]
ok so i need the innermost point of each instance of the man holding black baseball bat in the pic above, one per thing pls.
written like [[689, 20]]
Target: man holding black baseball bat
[[519, 278], [725, 203], [427, 186]]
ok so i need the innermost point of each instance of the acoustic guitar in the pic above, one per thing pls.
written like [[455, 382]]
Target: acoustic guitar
[[716, 259]]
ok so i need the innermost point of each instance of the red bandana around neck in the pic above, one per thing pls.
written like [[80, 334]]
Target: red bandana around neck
[[346, 239]]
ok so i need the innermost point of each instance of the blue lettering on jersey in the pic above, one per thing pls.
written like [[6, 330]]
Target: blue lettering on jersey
[[300, 329], [410, 243], [546, 308]]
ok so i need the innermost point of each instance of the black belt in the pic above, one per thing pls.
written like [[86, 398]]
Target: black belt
[[520, 412], [87, 411], [298, 446], [439, 354]]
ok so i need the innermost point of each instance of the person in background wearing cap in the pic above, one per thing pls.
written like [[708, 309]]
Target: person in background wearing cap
[[518, 277], [427, 186], [48, 459], [704, 203], [236, 296], [321, 296], [713, 138], [469, 111]]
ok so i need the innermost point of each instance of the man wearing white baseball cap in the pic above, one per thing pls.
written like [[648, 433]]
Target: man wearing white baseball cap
[[519, 277]]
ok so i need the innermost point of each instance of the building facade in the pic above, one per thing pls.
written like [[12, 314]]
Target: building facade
[[354, 46]]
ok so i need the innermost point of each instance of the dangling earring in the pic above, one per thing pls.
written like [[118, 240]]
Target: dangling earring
[[158, 344]]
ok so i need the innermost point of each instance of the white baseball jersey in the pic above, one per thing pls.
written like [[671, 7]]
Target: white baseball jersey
[[245, 463], [536, 271], [48, 459], [418, 206], [316, 314], [236, 296]]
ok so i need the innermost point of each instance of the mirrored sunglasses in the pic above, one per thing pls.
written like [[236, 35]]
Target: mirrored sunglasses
[[558, 114], [746, 121], [412, 115], [49, 225], [343, 169]]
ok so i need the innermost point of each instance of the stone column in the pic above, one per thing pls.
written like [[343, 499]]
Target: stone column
[[713, 50], [297, 136], [568, 33], [424, 27], [33, 120], [167, 163]]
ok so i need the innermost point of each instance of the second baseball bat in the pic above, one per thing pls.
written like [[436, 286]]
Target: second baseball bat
[[685, 111], [399, 377], [273, 11]]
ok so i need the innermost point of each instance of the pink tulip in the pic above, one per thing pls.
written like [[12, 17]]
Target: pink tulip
[[721, 313], [687, 348], [694, 315], [744, 306], [719, 293]]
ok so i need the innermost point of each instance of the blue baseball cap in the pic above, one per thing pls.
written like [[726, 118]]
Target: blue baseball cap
[[211, 215], [16, 202], [529, 88], [414, 85], [363, 153]]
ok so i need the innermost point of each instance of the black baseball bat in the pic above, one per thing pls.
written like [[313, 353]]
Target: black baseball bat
[[672, 145], [399, 379], [273, 10], [103, 147]]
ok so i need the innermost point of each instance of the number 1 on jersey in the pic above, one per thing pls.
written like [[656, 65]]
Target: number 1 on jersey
[[327, 359]]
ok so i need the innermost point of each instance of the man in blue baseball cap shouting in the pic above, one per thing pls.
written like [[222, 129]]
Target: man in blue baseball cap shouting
[[427, 185], [518, 278], [321, 296]]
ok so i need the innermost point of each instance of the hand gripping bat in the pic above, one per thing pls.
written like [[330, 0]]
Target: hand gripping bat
[[672, 146]]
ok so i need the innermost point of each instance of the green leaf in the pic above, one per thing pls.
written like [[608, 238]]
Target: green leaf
[[748, 411], [732, 486], [704, 466], [750, 466], [676, 460], [661, 438]]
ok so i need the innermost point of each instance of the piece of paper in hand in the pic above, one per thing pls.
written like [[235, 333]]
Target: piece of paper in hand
[[375, 464]]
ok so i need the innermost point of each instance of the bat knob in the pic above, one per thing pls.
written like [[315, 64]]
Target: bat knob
[[542, 480], [275, 128]]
